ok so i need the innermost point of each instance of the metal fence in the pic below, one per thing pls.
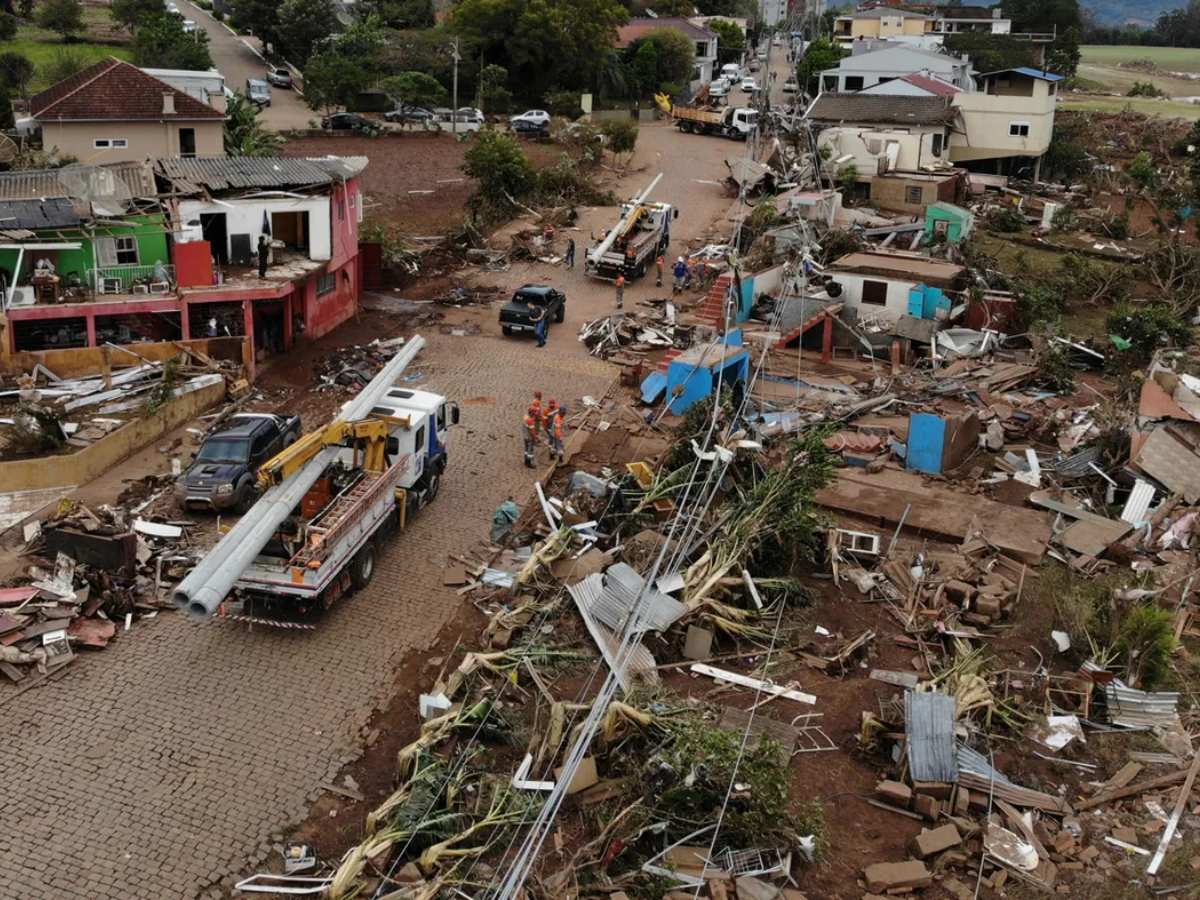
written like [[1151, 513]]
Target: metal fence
[[156, 279]]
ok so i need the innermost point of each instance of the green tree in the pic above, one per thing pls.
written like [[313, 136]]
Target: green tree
[[161, 43], [494, 97], [620, 136], [259, 17], [410, 90], [244, 131], [6, 107], [305, 24], [8, 26], [990, 52], [332, 80], [63, 16], [15, 70], [822, 54], [540, 42], [132, 13], [503, 172], [1042, 15], [661, 55], [1062, 57], [401, 14], [674, 9], [729, 37]]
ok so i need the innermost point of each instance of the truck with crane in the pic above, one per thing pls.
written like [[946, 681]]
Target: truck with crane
[[327, 504], [734, 122], [630, 247]]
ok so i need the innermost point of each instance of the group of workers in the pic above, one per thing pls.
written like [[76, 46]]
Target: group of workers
[[548, 419]]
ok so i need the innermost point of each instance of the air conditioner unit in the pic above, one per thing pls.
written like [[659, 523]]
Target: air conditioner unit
[[141, 289], [159, 287], [111, 286]]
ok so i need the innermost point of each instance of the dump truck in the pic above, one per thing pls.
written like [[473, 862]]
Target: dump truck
[[327, 504], [630, 247], [735, 122]]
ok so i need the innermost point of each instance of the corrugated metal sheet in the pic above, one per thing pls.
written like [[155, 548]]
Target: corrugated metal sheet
[[225, 173], [977, 764], [929, 730], [37, 184], [626, 594], [641, 662], [1079, 464], [53, 212], [1140, 709], [1138, 503]]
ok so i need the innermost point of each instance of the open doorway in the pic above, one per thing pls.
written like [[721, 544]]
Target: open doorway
[[268, 328], [213, 230], [291, 228]]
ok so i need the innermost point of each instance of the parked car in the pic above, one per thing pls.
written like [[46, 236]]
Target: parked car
[[791, 86], [719, 88], [471, 114], [523, 126], [416, 114], [348, 121], [188, 26], [514, 316], [222, 474], [258, 92], [448, 120], [534, 116], [749, 85], [280, 76]]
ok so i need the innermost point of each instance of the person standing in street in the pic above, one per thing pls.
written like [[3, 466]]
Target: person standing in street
[[529, 434], [541, 325], [658, 269], [556, 433], [264, 255], [570, 257], [620, 291], [535, 408], [680, 272]]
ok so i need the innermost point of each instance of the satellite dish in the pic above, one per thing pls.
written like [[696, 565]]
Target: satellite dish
[[101, 188], [9, 150]]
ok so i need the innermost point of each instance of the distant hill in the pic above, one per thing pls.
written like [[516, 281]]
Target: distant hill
[[1132, 12]]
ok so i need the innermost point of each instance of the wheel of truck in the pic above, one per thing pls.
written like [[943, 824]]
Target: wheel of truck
[[362, 567], [245, 499], [435, 485], [560, 313], [506, 329], [685, 127], [290, 439]]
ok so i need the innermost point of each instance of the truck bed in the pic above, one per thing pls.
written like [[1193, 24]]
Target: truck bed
[[709, 116]]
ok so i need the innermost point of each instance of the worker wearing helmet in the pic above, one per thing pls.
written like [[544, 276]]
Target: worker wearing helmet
[[680, 272], [548, 414], [535, 409], [658, 270], [529, 426], [620, 291], [556, 434]]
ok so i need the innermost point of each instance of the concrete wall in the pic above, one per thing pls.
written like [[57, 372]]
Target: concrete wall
[[891, 192], [144, 139], [895, 306], [246, 217], [91, 462], [916, 146], [81, 362], [986, 121]]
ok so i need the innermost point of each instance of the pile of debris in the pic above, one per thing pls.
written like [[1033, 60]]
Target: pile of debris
[[91, 572], [636, 332], [351, 368]]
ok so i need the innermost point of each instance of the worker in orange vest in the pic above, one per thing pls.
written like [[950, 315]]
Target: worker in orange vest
[[535, 409], [529, 428], [556, 436], [548, 414], [658, 267], [620, 291]]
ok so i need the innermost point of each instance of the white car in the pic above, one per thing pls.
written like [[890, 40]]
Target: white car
[[188, 26], [749, 85], [532, 116], [471, 114], [718, 88]]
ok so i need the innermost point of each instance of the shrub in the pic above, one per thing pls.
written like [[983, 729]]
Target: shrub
[[1145, 645], [1036, 305], [1007, 220], [15, 70], [1116, 226], [563, 103], [1145, 89], [620, 136], [1145, 327], [63, 16], [65, 63], [1065, 219], [8, 27]]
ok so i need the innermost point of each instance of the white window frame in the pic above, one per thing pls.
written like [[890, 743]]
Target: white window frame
[[131, 246], [110, 144], [1014, 129]]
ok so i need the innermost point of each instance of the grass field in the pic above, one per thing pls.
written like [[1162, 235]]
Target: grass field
[[1164, 108], [43, 47], [1173, 59]]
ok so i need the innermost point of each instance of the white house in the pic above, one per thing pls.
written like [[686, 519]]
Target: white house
[[873, 64], [1011, 116], [962, 19], [878, 134], [878, 284], [917, 85]]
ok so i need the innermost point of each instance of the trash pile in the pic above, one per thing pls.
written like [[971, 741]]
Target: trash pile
[[351, 368], [636, 332], [92, 573]]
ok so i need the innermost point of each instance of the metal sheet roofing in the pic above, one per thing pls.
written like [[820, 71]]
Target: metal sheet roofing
[[53, 212], [1140, 709], [879, 109], [977, 764], [1025, 70], [626, 596], [37, 184], [930, 743], [637, 657], [226, 173]]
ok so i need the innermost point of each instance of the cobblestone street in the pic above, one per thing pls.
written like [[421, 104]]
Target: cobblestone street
[[156, 769]]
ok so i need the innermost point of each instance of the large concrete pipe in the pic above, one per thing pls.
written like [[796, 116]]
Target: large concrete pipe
[[207, 585], [605, 245]]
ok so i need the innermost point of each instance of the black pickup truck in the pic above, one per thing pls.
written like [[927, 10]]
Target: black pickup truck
[[515, 314], [222, 474]]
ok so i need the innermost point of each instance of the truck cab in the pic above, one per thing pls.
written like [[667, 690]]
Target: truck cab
[[734, 72], [222, 474]]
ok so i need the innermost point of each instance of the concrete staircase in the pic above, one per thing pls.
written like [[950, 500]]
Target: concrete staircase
[[711, 311]]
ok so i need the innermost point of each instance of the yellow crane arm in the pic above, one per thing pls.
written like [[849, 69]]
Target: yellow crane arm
[[289, 461]]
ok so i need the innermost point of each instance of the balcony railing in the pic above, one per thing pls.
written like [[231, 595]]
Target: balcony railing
[[132, 279]]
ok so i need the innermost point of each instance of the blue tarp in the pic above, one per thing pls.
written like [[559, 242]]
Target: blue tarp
[[653, 386]]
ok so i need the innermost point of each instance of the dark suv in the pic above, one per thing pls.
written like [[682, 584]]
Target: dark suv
[[222, 474], [515, 314]]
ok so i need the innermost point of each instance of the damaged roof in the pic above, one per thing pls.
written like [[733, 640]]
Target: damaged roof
[[38, 184], [226, 173], [626, 593], [933, 272], [881, 109], [53, 212]]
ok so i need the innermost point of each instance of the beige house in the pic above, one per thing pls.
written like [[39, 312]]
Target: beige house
[[115, 112], [1012, 115], [881, 23]]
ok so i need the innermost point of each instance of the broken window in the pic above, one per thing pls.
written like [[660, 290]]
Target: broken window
[[874, 293]]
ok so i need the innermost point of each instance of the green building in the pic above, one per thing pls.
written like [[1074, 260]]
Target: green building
[[953, 221]]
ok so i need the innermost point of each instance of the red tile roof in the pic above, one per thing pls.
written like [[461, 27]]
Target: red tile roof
[[114, 90], [627, 34], [935, 87]]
